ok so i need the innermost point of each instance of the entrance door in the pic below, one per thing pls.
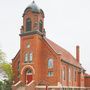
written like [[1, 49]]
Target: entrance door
[[28, 76]]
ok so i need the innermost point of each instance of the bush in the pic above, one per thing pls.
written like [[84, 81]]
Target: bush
[[1, 85], [6, 85]]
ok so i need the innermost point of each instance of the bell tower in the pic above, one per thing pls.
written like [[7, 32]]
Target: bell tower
[[32, 31], [33, 21]]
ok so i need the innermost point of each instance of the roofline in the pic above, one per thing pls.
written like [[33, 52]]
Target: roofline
[[61, 54], [52, 47], [87, 76], [70, 63], [16, 55]]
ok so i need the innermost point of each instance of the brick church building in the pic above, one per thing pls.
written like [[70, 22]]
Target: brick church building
[[41, 62]]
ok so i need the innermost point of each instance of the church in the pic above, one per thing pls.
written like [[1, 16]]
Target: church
[[40, 63]]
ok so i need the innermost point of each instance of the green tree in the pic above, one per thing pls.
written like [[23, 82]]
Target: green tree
[[2, 56], [5, 65], [7, 85], [1, 85], [7, 68]]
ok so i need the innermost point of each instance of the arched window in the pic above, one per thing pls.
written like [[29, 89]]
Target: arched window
[[75, 75], [29, 72], [28, 24], [18, 66], [31, 57], [26, 58], [63, 73], [50, 63], [50, 73], [40, 25], [69, 74]]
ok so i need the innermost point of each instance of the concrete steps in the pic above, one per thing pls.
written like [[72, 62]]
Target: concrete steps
[[21, 88]]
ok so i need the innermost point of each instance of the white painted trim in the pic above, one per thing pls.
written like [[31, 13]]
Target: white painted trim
[[26, 66], [48, 87], [30, 83], [17, 83], [61, 87], [40, 86]]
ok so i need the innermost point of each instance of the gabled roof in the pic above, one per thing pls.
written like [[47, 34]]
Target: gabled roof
[[87, 75], [16, 55], [65, 55]]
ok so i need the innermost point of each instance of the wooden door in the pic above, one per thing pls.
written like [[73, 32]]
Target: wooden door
[[28, 76]]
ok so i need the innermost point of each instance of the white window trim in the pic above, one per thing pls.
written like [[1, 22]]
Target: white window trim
[[50, 73], [50, 63], [30, 57], [26, 58], [69, 74]]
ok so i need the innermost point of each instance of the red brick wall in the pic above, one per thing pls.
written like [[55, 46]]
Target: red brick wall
[[34, 18], [33, 48], [72, 82], [46, 54], [14, 67], [87, 81], [41, 53]]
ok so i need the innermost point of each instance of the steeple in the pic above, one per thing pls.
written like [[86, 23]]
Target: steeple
[[33, 20], [33, 7], [33, 1]]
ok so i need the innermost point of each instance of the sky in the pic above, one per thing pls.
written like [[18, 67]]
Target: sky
[[67, 23]]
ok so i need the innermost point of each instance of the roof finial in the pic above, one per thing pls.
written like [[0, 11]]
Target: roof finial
[[33, 1]]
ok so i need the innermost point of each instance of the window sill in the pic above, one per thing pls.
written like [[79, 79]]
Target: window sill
[[28, 63]]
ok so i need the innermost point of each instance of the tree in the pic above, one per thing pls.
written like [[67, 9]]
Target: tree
[[2, 56], [7, 68], [5, 65], [1, 85], [7, 85]]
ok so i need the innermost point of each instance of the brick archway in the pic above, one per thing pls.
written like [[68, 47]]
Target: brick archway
[[23, 73], [27, 66]]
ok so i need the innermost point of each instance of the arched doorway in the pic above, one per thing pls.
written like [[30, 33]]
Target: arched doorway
[[28, 76]]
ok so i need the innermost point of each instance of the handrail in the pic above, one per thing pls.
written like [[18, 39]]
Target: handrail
[[30, 83], [17, 83]]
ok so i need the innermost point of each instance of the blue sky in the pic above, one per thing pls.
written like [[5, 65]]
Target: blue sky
[[67, 22]]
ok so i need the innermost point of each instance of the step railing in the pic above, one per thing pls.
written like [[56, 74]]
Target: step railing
[[15, 86], [31, 85]]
